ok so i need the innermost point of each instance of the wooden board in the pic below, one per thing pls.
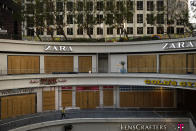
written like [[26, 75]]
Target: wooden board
[[66, 98], [173, 64], [87, 99], [12, 106], [108, 97], [148, 99], [58, 64], [48, 98], [141, 63], [85, 63], [23, 64]]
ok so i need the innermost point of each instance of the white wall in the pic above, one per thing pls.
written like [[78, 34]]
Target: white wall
[[3, 64], [115, 62]]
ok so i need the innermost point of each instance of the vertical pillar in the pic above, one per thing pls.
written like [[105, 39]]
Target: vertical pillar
[[57, 102], [39, 100], [116, 97], [94, 63], [3, 64], [59, 98], [75, 63], [109, 63], [158, 63], [73, 96], [101, 96], [97, 62], [42, 64]]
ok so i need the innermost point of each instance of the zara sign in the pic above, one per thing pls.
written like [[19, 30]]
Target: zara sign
[[179, 45], [58, 48]]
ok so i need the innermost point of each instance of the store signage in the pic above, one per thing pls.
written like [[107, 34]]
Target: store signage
[[170, 83], [48, 81], [34, 81], [179, 45], [88, 88], [56, 48], [17, 91]]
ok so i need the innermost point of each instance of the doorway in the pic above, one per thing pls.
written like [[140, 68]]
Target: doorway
[[102, 63]]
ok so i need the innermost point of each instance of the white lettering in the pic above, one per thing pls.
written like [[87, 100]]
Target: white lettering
[[58, 48], [178, 45]]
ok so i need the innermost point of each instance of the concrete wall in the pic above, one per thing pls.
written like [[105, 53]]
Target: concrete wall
[[109, 124]]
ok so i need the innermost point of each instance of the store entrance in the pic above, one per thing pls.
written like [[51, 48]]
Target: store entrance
[[87, 97]]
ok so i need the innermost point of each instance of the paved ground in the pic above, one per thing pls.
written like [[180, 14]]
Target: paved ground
[[95, 113]]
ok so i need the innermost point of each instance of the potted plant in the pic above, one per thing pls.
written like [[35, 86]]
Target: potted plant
[[123, 70]]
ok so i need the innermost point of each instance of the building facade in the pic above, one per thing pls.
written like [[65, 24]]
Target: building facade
[[100, 19], [42, 76]]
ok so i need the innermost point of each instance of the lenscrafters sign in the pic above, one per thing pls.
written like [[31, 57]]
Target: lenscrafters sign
[[57, 48], [179, 45]]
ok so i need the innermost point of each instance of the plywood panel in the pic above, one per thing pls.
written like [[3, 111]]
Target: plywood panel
[[66, 98], [87, 99], [141, 63], [173, 63], [58, 64], [12, 106], [168, 98], [194, 61], [23, 64], [48, 100], [108, 97], [85, 63]]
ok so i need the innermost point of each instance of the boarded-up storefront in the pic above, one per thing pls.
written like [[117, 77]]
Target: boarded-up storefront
[[146, 97], [141, 63], [87, 97], [58, 64], [23, 64], [66, 96], [108, 96], [48, 99], [85, 63], [12, 106]]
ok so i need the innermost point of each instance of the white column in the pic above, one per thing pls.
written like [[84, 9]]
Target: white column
[[75, 63], [94, 63], [39, 100], [3, 64], [56, 98], [74, 96], [101, 96], [109, 63], [59, 98], [42, 64], [158, 63], [117, 96]]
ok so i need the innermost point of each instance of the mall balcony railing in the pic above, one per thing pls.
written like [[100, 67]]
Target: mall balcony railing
[[190, 71]]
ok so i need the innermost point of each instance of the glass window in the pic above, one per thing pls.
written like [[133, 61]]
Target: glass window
[[29, 8], [30, 22], [100, 5], [109, 19], [139, 18], [150, 6], [80, 6], [69, 19], [59, 31], [59, 19], [99, 31], [30, 32], [160, 5], [150, 30], [139, 5], [160, 18], [80, 31], [69, 31], [89, 6], [80, 19], [99, 19], [180, 30], [110, 31], [59, 6], [130, 18], [170, 30], [130, 5], [129, 30], [150, 19], [40, 31], [69, 6], [109, 6], [139, 30], [90, 31], [160, 30], [119, 5]]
